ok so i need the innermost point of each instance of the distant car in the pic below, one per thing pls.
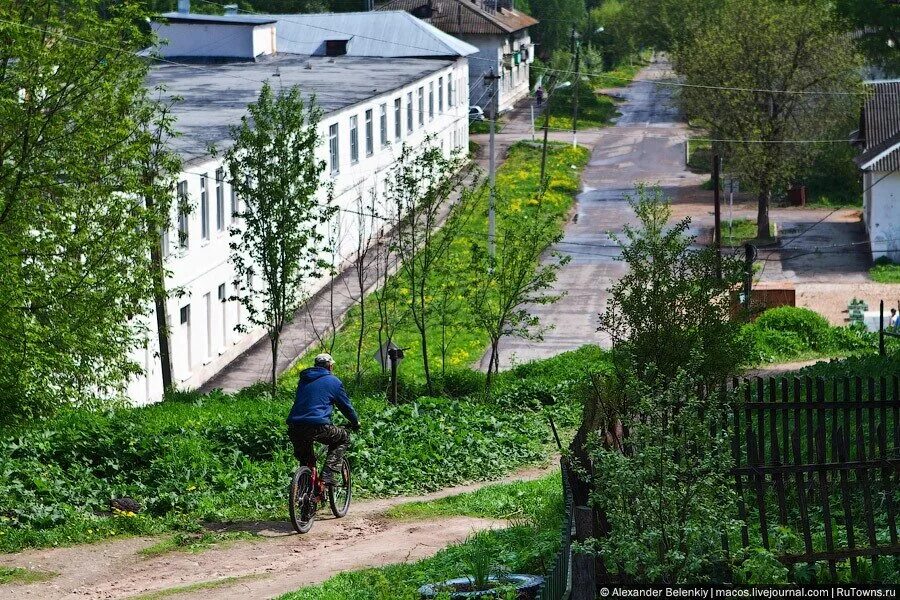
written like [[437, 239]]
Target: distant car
[[476, 114]]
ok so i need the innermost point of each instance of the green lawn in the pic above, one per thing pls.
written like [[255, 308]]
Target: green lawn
[[700, 156], [594, 109], [741, 231], [527, 546], [518, 177], [885, 271], [485, 127]]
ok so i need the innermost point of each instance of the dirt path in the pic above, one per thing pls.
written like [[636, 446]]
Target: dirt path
[[276, 562]]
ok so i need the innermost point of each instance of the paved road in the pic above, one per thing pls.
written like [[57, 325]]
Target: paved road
[[646, 145]]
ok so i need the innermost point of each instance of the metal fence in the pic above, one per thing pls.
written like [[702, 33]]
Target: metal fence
[[557, 580]]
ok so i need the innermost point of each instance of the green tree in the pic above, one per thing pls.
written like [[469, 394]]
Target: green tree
[[274, 170], [75, 237], [418, 190], [766, 73], [664, 24], [557, 20], [876, 28], [506, 284], [670, 312]]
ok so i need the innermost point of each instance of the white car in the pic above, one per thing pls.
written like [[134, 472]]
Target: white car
[[476, 114]]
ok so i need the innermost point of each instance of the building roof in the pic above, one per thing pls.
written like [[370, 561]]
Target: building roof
[[389, 34], [252, 20], [879, 131], [213, 98], [464, 16]]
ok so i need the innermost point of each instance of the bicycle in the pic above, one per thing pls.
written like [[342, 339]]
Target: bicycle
[[308, 492]]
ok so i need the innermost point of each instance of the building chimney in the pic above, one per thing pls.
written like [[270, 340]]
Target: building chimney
[[231, 9], [184, 6]]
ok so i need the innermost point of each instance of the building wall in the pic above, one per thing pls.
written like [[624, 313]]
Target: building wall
[[202, 336], [514, 80], [881, 210]]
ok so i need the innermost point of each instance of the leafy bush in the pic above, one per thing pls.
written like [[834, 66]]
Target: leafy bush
[[791, 333]]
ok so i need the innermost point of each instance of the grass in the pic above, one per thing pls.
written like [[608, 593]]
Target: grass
[[193, 543], [18, 575], [195, 587], [594, 109], [528, 546], [500, 501], [700, 157], [885, 271], [476, 127], [519, 178], [741, 231]]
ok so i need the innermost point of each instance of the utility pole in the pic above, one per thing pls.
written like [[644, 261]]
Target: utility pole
[[717, 200], [749, 257], [552, 83], [577, 48], [491, 80]]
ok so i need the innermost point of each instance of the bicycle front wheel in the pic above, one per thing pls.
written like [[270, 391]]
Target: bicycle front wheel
[[301, 501], [339, 494]]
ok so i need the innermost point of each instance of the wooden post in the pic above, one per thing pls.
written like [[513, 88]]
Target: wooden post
[[881, 329], [392, 356], [717, 201], [584, 576]]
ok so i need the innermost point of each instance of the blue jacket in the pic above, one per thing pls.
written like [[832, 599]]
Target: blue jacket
[[318, 391]]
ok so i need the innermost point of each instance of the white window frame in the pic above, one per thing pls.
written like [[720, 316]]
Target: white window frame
[[354, 140], [382, 118], [398, 119], [204, 207], [334, 149], [370, 133]]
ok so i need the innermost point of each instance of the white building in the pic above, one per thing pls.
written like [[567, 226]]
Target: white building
[[497, 29], [372, 106], [879, 139]]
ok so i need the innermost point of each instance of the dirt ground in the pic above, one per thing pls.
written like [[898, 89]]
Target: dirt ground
[[275, 562]]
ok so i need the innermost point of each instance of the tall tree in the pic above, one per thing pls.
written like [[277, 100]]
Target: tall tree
[[274, 170], [876, 28], [557, 20], [513, 279], [420, 188], [767, 73], [75, 238]]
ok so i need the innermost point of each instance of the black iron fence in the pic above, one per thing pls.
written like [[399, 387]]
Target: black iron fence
[[556, 581]]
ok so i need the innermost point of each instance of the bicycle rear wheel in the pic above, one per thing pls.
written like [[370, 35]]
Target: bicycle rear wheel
[[301, 501], [339, 494]]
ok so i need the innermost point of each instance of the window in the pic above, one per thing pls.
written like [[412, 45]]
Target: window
[[204, 207], [164, 241], [185, 314], [207, 301], [409, 113], [335, 47], [451, 101], [440, 95], [370, 142], [354, 140], [333, 148], [223, 299], [383, 125], [220, 199], [235, 207], [421, 106], [182, 214], [398, 119], [430, 100]]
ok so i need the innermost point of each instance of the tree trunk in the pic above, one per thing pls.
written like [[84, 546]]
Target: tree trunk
[[762, 217], [428, 383], [362, 321], [273, 339], [162, 322]]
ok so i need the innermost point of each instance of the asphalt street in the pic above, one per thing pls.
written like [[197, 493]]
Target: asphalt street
[[645, 146]]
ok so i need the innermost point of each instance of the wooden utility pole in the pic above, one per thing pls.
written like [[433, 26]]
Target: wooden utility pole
[[552, 83], [717, 200], [577, 48], [749, 257], [491, 80]]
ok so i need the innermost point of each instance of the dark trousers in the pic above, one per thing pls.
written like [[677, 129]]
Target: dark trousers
[[336, 438]]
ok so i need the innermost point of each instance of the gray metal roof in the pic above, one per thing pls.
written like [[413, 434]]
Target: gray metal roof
[[466, 17], [178, 17], [388, 34], [879, 130], [215, 97]]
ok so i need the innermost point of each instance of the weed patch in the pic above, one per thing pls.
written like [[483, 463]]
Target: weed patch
[[19, 575], [885, 271]]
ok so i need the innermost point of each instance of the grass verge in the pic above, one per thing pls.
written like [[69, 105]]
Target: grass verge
[[519, 178], [500, 501], [741, 231], [527, 546], [21, 576], [194, 587], [885, 271]]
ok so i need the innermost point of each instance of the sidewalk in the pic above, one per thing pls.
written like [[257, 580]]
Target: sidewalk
[[299, 335]]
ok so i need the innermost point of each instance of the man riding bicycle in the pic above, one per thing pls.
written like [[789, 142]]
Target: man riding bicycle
[[318, 391]]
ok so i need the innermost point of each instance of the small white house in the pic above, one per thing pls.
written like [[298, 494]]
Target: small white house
[[879, 139], [381, 81], [497, 29]]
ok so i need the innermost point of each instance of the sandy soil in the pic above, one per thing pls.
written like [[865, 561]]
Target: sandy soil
[[276, 562]]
